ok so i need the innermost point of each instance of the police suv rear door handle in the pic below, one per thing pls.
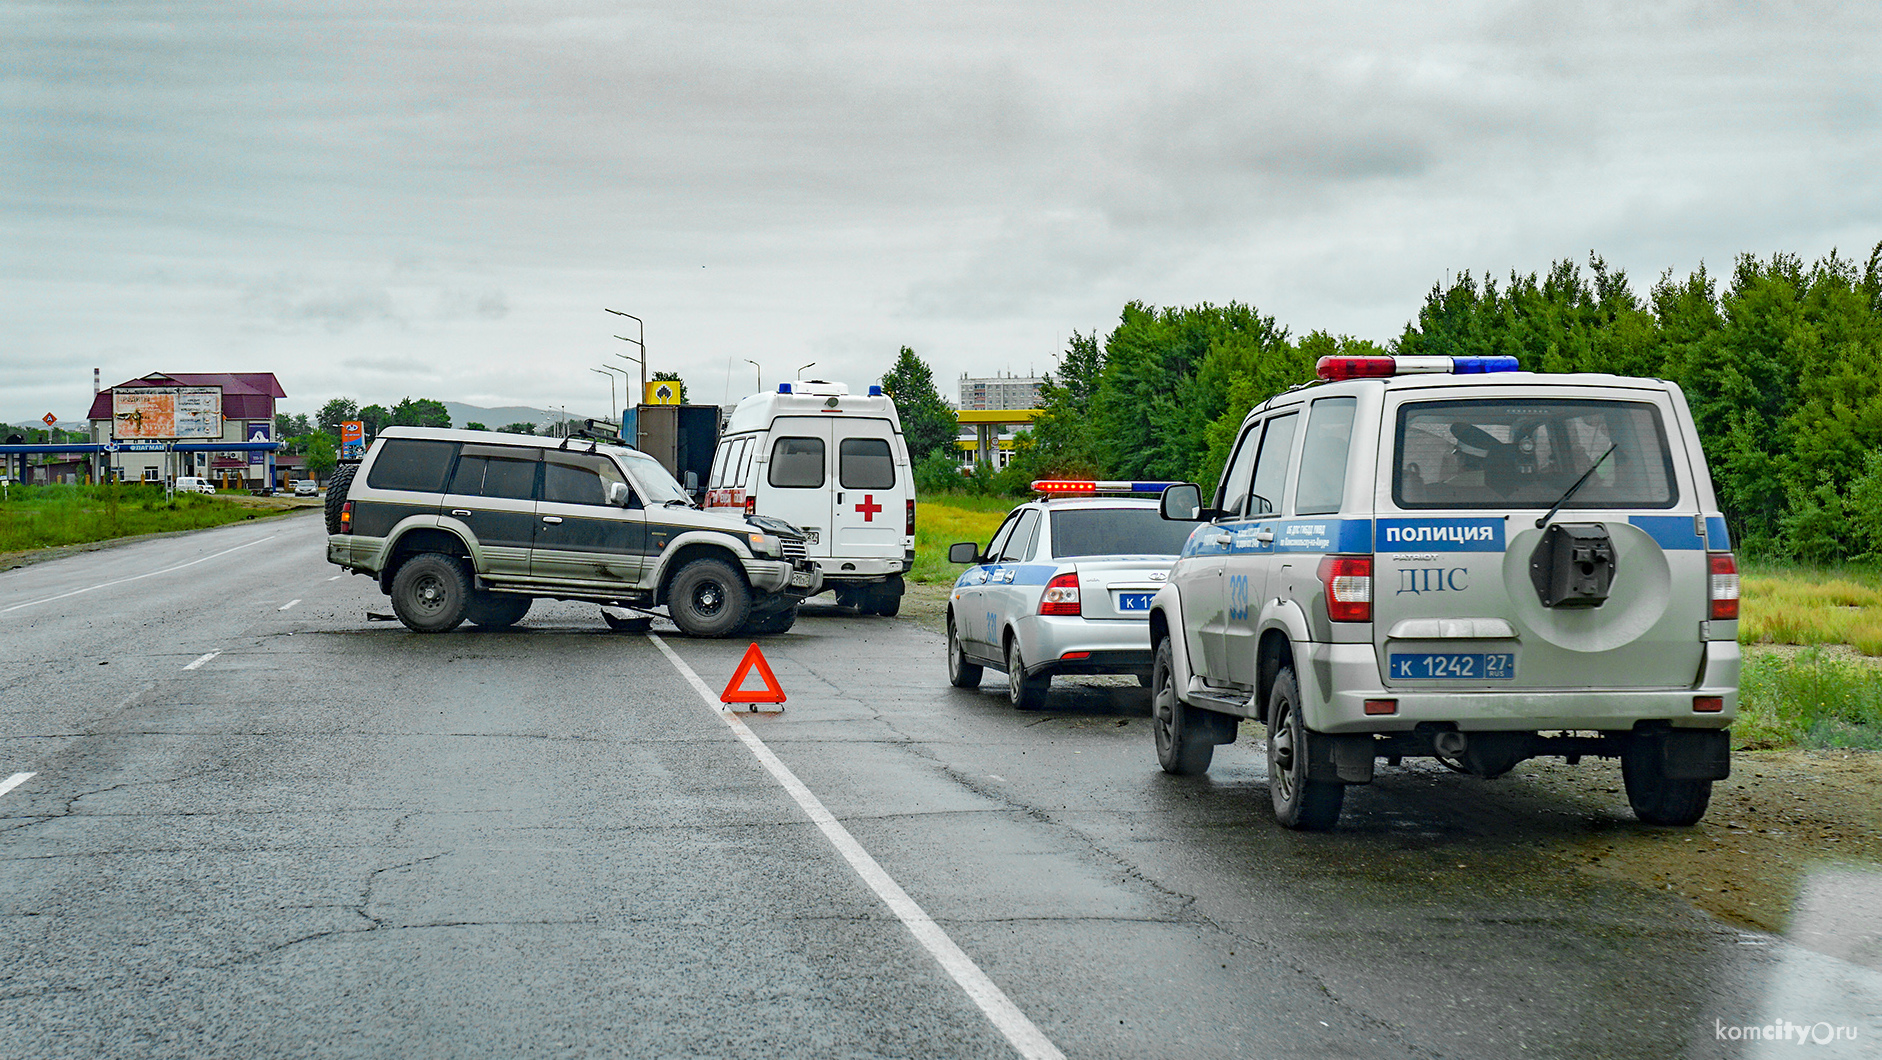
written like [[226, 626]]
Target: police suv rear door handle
[[1264, 535], [552, 519], [460, 511]]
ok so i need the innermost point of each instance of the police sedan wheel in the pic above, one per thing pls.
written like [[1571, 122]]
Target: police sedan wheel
[[961, 673], [1026, 693]]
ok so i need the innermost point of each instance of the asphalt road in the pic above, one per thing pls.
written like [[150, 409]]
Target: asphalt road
[[261, 823]]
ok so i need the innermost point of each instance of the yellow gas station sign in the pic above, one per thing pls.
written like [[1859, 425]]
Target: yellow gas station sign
[[664, 392]]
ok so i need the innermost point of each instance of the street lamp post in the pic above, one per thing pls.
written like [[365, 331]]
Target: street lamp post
[[761, 374], [610, 375], [641, 330], [801, 367]]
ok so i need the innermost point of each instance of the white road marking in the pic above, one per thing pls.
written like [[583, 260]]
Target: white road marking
[[335, 578], [202, 660], [287, 605], [1006, 1017], [15, 781], [136, 577]]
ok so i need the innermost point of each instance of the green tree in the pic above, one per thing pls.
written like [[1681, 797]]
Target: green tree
[[475, 426], [518, 428], [321, 454], [376, 418], [336, 412], [423, 412], [928, 422], [1061, 443]]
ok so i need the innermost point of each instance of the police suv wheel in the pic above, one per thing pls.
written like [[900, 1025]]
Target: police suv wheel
[[1656, 799], [1026, 693], [961, 673], [708, 599], [1309, 805], [1184, 748], [431, 593]]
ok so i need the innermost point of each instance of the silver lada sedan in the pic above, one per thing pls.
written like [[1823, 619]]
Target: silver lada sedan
[[1064, 587]]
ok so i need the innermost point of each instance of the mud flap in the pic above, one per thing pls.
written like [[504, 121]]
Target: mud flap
[[1691, 754], [1347, 759], [1221, 727]]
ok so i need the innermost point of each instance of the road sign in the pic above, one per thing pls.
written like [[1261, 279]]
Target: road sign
[[772, 692], [664, 392], [49, 419]]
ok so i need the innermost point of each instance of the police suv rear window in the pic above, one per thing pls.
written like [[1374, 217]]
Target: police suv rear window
[[1527, 452], [411, 464], [1116, 532]]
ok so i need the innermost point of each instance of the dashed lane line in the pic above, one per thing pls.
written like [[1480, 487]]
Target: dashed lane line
[[289, 604], [1019, 1031], [202, 660], [15, 781], [137, 577]]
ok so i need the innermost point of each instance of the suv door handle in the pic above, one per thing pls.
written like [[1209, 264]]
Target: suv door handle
[[1264, 536], [460, 511], [1219, 539], [552, 519]]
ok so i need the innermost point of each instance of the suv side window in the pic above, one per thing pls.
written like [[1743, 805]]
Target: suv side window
[[797, 463], [486, 471], [411, 464], [1019, 545], [577, 478], [1232, 494], [1271, 465], [1322, 480], [865, 464]]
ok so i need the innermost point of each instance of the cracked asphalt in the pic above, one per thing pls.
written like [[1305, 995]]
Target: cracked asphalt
[[337, 838]]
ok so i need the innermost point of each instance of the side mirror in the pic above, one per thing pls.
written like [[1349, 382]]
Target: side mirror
[[618, 494], [1181, 503], [692, 482], [964, 552]]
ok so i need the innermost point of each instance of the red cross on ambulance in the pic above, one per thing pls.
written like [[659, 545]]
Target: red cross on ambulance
[[869, 507]]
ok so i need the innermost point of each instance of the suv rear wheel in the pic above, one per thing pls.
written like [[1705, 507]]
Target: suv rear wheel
[[496, 610], [1655, 799], [337, 486], [431, 593], [1309, 805], [708, 599]]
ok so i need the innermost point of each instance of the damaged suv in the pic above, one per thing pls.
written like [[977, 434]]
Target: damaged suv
[[1449, 557], [459, 525]]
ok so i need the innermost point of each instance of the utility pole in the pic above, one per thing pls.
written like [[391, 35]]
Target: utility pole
[[641, 330]]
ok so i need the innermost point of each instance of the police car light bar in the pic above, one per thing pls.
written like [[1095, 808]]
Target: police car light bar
[[1338, 368], [1050, 486]]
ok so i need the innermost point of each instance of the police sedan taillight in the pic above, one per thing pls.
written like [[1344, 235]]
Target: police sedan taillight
[[1061, 596], [1724, 585], [1347, 581]]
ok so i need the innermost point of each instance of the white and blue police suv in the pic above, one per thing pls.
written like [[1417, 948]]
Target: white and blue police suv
[[1450, 557]]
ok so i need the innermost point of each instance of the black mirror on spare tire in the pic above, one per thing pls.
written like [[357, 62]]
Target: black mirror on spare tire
[[1573, 565]]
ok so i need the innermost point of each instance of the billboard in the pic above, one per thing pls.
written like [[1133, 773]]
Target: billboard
[[664, 392], [166, 413], [352, 439], [259, 432]]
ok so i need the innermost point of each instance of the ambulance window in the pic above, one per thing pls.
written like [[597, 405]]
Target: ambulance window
[[719, 460], [865, 464], [1323, 456], [1277, 442], [746, 446], [797, 463]]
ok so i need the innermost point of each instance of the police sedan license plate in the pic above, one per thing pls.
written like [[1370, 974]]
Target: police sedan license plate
[[1454, 666], [1134, 601]]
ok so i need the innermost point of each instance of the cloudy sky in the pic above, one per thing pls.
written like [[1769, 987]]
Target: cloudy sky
[[384, 198]]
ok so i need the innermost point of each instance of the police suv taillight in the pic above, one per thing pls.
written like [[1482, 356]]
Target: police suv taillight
[[1347, 581], [1061, 596], [1723, 589]]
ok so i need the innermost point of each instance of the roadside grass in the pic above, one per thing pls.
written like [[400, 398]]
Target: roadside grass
[[1783, 604], [944, 518], [1809, 699], [35, 517]]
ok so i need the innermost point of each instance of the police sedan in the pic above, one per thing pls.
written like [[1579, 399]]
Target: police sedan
[[1064, 587]]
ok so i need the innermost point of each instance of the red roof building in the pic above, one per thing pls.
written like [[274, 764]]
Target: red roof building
[[245, 395]]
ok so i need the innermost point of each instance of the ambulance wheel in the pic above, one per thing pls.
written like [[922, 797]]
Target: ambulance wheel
[[431, 593], [1299, 802], [1655, 799], [496, 610], [1184, 747], [708, 599], [1025, 693], [961, 673], [886, 599]]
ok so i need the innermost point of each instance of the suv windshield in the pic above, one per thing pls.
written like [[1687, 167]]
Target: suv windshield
[[1116, 532], [652, 479], [1525, 453]]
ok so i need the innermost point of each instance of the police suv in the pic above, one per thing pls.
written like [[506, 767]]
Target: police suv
[[474, 525], [1448, 557]]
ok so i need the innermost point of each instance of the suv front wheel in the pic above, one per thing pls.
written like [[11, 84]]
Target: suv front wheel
[[708, 599], [431, 593]]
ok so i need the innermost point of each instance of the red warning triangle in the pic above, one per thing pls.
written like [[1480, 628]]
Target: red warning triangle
[[772, 692]]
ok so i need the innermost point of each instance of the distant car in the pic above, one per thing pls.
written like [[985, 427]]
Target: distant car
[[306, 487], [1063, 588], [194, 484]]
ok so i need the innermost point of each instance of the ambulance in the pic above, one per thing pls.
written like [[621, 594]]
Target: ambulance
[[835, 465]]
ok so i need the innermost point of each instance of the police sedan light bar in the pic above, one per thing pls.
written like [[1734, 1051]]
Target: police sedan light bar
[[1051, 486], [1338, 368]]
